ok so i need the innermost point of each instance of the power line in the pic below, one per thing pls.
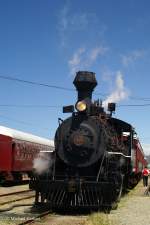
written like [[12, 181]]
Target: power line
[[31, 106], [99, 93], [132, 105], [22, 122], [64, 88], [43, 84], [139, 98], [144, 138], [131, 97], [60, 106], [35, 83]]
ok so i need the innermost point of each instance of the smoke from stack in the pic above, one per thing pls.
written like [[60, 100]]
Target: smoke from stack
[[119, 93], [42, 163]]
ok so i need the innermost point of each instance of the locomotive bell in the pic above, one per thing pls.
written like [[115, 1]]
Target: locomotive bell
[[85, 82]]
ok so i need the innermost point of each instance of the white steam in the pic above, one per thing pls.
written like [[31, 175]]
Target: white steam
[[42, 163], [119, 93], [85, 58]]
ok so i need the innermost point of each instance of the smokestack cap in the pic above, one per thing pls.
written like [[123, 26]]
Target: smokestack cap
[[85, 80]]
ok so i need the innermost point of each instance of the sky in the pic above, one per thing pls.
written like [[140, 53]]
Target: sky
[[47, 42]]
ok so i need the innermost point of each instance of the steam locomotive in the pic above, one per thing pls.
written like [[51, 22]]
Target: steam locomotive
[[92, 161]]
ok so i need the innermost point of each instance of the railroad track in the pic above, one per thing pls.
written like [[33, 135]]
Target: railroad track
[[20, 209], [20, 215], [58, 219], [15, 197], [14, 193], [33, 219]]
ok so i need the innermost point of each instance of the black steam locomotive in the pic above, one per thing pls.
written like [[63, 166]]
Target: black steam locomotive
[[92, 158]]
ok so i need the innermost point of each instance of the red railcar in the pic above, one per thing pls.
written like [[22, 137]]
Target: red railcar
[[17, 152], [138, 157], [138, 162]]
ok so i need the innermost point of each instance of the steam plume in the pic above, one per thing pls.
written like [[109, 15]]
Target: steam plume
[[42, 163], [120, 92]]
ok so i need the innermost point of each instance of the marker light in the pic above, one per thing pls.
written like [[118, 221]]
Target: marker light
[[81, 106]]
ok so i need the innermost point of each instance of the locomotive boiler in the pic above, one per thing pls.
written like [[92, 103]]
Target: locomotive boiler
[[92, 157]]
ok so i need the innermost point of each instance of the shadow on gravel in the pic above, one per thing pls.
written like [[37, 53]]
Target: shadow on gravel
[[70, 211]]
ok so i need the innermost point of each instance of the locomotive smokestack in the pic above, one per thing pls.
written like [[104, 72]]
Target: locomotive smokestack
[[85, 82]]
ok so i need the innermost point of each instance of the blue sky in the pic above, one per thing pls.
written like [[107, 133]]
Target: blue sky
[[48, 41]]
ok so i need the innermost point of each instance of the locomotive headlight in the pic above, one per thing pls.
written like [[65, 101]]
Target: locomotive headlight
[[81, 106]]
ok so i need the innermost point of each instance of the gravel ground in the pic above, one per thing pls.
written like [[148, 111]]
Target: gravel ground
[[134, 208], [63, 220]]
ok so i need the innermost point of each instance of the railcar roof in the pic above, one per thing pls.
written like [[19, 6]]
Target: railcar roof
[[25, 136]]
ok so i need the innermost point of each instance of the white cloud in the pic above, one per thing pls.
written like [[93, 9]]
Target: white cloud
[[119, 93], [76, 60], [95, 52], [72, 24], [83, 58], [64, 20], [79, 21], [107, 76], [63, 23], [146, 148], [132, 57], [69, 21]]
